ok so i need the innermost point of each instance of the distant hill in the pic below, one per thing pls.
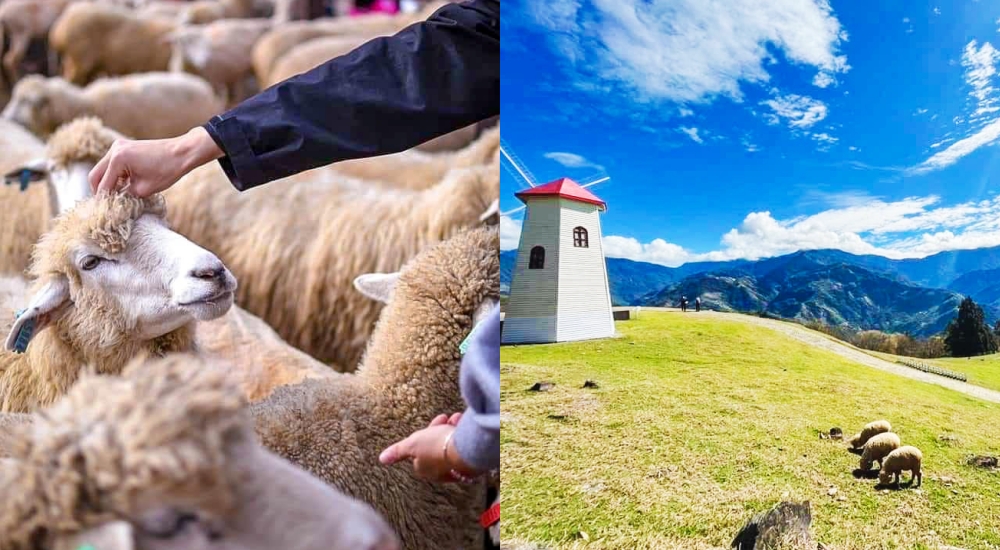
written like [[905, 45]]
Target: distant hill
[[803, 287], [983, 285], [629, 280]]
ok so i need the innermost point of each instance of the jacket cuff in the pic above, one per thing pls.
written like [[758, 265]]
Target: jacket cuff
[[239, 163], [478, 447]]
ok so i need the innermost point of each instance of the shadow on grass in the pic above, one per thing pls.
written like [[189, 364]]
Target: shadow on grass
[[865, 474], [895, 486], [855, 451]]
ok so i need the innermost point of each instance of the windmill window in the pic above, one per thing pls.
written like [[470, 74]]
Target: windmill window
[[580, 239], [537, 258]]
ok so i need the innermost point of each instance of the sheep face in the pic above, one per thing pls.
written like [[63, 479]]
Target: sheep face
[[111, 269], [30, 105]]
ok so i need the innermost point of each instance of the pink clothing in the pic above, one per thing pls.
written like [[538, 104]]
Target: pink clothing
[[379, 6]]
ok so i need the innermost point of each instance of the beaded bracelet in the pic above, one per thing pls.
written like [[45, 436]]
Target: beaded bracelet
[[455, 475]]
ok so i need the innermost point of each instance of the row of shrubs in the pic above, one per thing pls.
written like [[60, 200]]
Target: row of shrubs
[[883, 342], [933, 370]]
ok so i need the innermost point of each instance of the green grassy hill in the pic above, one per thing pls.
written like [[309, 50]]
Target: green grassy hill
[[699, 423]]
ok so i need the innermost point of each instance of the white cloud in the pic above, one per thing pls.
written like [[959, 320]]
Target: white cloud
[[684, 112], [572, 160], [692, 51], [692, 133], [510, 233], [906, 20], [798, 111], [859, 223], [937, 144], [920, 112], [987, 135], [853, 148], [937, 11], [822, 80], [980, 68], [749, 145], [824, 138]]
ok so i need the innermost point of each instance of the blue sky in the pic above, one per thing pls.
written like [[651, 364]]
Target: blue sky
[[754, 128]]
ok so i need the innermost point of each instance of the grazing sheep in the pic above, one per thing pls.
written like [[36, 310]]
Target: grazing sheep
[[877, 448], [903, 458], [87, 309], [220, 53], [25, 21], [94, 40], [415, 169], [165, 457], [337, 427], [143, 106], [871, 429]]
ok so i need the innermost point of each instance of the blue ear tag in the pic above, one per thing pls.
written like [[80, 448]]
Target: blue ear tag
[[464, 346], [25, 178], [24, 334]]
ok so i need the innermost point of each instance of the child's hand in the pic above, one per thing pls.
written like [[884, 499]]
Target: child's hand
[[426, 448]]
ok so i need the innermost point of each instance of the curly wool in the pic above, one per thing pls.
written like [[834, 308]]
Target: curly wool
[[899, 460], [877, 448], [80, 140], [163, 426], [870, 430], [336, 428]]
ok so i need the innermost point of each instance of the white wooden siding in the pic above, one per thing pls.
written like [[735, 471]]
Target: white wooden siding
[[583, 305], [531, 309]]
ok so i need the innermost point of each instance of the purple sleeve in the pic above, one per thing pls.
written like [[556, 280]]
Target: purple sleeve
[[477, 437]]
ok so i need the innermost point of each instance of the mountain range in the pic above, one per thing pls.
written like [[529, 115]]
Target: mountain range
[[919, 296]]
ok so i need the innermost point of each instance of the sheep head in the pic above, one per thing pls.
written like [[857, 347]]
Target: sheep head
[[165, 457], [31, 103], [111, 271]]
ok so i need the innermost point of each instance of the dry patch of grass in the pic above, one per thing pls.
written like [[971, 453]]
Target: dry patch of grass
[[698, 424]]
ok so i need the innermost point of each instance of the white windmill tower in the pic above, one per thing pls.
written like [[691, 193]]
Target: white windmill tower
[[559, 289]]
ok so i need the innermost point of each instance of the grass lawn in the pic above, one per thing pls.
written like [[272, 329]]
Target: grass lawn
[[699, 423]]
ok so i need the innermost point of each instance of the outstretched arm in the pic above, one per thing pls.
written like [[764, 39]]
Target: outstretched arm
[[388, 95]]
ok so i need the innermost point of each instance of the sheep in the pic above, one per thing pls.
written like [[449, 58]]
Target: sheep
[[220, 53], [144, 106], [27, 213], [903, 458], [877, 448], [415, 169], [84, 274], [25, 21], [95, 39], [279, 41], [287, 227], [165, 457], [311, 54], [871, 429], [336, 428]]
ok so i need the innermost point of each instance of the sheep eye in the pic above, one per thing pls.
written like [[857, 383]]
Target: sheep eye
[[175, 527], [90, 262]]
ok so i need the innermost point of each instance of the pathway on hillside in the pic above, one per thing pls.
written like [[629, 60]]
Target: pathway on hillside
[[818, 340]]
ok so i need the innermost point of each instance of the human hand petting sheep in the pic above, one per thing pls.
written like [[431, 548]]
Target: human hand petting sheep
[[153, 165], [432, 451]]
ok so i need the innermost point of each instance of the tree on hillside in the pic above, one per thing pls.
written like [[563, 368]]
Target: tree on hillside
[[968, 334], [996, 331]]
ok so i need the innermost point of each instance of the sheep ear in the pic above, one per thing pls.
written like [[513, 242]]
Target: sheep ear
[[46, 306], [377, 286], [493, 210], [114, 535], [32, 171]]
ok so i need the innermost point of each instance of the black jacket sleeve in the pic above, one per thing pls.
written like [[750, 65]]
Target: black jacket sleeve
[[390, 94]]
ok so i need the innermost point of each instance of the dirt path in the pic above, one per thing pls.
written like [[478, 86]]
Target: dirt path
[[815, 339]]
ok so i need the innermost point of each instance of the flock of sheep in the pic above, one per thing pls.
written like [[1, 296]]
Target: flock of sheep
[[207, 364], [879, 445]]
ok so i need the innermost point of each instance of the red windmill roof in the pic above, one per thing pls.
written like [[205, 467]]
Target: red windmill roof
[[562, 187]]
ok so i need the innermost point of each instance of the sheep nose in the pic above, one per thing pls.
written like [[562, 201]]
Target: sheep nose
[[213, 273]]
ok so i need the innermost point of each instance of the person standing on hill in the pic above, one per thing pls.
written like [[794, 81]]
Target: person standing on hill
[[697, 303]]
